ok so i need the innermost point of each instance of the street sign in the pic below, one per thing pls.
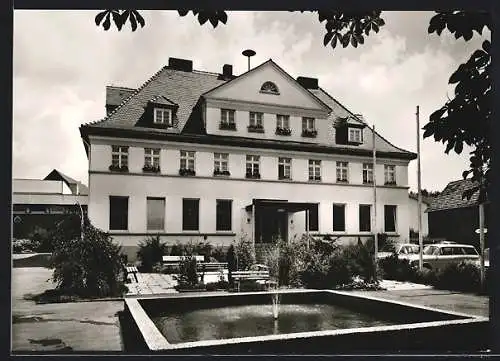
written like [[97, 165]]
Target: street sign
[[478, 231]]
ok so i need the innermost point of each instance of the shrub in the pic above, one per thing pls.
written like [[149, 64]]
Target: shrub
[[219, 254], [463, 276], [187, 277], [177, 249], [394, 268], [24, 245], [151, 251], [214, 286], [88, 267], [245, 253]]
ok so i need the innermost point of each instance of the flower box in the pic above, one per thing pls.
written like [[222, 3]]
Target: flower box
[[227, 126], [393, 183], [283, 131], [151, 169], [255, 129], [254, 175], [317, 179], [308, 133], [116, 168], [221, 173], [187, 172]]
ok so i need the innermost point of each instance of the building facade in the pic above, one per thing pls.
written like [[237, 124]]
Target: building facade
[[192, 155], [413, 211], [39, 203]]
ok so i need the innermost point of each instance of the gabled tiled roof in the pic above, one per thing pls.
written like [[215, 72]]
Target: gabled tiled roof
[[180, 87], [160, 99], [451, 197], [116, 94], [338, 110]]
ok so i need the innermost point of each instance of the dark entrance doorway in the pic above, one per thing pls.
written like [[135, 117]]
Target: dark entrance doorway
[[271, 224]]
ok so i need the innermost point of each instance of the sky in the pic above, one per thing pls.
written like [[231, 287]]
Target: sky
[[63, 62]]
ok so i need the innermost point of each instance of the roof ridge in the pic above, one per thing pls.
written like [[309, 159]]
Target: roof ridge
[[124, 101], [120, 87], [205, 72]]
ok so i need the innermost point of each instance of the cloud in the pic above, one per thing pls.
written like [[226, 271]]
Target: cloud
[[62, 63]]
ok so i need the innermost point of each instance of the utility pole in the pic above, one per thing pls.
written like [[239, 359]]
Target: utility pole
[[420, 236], [375, 234], [481, 232]]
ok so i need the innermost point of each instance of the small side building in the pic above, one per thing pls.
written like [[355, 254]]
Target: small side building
[[453, 218], [39, 203], [413, 216]]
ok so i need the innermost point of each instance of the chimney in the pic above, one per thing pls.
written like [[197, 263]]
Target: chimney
[[180, 64], [308, 83], [227, 71]]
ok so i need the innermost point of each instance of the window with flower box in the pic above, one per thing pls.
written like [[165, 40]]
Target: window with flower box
[[187, 163], [355, 135], [255, 122], [227, 121], [221, 161], [367, 173], [309, 127], [253, 166], [151, 160], [390, 174], [314, 170], [342, 172], [283, 125], [119, 158], [284, 168]]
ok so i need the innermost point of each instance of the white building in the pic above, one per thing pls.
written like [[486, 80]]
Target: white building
[[194, 155]]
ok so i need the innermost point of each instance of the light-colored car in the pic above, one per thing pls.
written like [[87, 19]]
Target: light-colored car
[[403, 250], [439, 255]]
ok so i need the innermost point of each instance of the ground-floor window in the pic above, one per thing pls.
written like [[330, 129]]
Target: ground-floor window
[[339, 217], [364, 218], [390, 218], [156, 213], [190, 214], [223, 215], [313, 219], [118, 213]]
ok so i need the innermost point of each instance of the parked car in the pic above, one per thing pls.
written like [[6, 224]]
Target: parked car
[[439, 255], [403, 250]]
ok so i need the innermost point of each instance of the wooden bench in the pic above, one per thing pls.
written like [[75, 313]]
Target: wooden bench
[[239, 276], [211, 266], [132, 270], [174, 261]]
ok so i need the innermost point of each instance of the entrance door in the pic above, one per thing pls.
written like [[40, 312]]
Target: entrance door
[[270, 225]]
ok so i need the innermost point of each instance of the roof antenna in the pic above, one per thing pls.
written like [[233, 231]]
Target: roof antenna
[[248, 53]]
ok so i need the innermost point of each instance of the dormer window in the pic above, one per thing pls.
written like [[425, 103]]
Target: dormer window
[[355, 135], [163, 116], [269, 88]]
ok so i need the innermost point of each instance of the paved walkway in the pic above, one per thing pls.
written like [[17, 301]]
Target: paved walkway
[[401, 286], [151, 283], [76, 326]]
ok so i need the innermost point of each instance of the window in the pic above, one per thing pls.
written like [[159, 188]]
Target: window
[[269, 87], [151, 158], [313, 219], [282, 121], [284, 168], [223, 215], [156, 213], [221, 163], [355, 135], [367, 173], [252, 166], [339, 217], [342, 172], [119, 156], [163, 116], [390, 218], [187, 160], [390, 174], [308, 124], [255, 120], [227, 119], [364, 218], [314, 170], [190, 214], [118, 213]]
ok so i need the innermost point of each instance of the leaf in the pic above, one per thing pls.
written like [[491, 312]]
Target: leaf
[[139, 18], [465, 174], [487, 46], [133, 22], [375, 27], [223, 17], [354, 42], [361, 39], [99, 17], [334, 41], [436, 115], [107, 23], [117, 19], [183, 12], [459, 146], [328, 37], [202, 18], [380, 22], [458, 75], [345, 40]]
